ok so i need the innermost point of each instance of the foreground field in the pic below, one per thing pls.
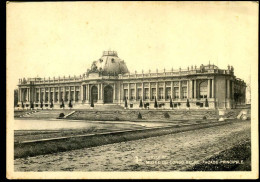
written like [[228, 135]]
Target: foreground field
[[178, 151]]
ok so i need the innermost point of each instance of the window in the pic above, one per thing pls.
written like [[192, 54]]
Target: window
[[168, 93], [139, 93], [77, 96], [72, 95], [160, 93], [153, 93], [125, 93], [56, 96], [146, 93], [37, 97], [203, 89], [132, 94], [184, 92], [176, 92], [51, 99], [67, 96]]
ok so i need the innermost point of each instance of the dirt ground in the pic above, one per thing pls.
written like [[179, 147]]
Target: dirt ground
[[164, 153]]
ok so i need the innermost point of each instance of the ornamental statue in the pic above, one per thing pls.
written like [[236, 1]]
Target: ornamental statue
[[93, 67]]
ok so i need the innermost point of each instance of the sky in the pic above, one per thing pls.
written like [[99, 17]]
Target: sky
[[64, 38]]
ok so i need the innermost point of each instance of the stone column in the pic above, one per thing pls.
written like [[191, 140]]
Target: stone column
[[143, 91], [49, 100], [195, 89], [136, 94], [180, 95], [164, 90], [213, 88], [69, 93], [59, 99], [98, 91], [82, 92], [28, 95], [172, 94], [119, 93], [74, 93], [150, 95], [114, 93], [192, 90], [208, 94], [157, 91], [128, 91], [64, 93], [228, 89], [44, 92], [188, 89], [87, 92]]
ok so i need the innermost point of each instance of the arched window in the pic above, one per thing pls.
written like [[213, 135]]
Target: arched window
[[203, 89]]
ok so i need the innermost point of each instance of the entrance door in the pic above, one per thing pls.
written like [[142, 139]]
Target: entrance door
[[94, 93], [108, 94]]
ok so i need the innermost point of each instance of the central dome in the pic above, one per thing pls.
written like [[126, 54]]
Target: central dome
[[110, 64]]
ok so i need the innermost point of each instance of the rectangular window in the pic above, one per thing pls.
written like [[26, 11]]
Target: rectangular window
[[146, 93], [51, 99], [161, 93], [176, 92], [66, 96], [37, 97], [139, 93], [46, 96], [125, 93], [153, 93], [168, 93], [56, 96], [77, 96], [184, 92], [132, 93]]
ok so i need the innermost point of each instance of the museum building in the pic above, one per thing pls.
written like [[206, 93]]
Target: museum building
[[110, 82]]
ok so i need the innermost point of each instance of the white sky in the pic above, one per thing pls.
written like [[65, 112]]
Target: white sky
[[63, 38]]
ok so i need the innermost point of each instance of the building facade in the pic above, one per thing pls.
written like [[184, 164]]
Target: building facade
[[108, 81]]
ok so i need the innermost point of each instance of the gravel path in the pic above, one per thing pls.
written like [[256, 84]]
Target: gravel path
[[163, 153]]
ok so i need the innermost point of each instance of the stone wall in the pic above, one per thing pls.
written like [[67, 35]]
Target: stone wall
[[151, 115]]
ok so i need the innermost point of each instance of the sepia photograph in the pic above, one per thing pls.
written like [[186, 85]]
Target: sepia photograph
[[132, 90]]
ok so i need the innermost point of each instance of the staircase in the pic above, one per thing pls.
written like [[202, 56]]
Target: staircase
[[103, 107]]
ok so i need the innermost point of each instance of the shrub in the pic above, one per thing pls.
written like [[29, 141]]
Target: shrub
[[166, 115], [139, 116], [204, 117], [117, 119], [61, 115]]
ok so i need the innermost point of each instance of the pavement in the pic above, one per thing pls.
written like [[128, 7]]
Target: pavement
[[164, 153]]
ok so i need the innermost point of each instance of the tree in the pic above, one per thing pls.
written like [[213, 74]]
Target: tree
[[141, 103], [92, 103], [51, 106], [125, 103], [42, 104], [62, 103], [206, 103], [22, 105], [70, 104], [188, 103], [171, 105], [155, 103], [32, 106]]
